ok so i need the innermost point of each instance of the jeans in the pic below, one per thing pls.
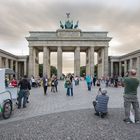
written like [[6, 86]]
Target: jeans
[[89, 86], [128, 100], [45, 90], [22, 94], [68, 91]]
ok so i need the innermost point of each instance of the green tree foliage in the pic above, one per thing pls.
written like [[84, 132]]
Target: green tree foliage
[[82, 71], [40, 70], [53, 70]]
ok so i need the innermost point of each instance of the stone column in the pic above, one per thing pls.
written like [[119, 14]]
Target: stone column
[[125, 66], [77, 61], [103, 69], [88, 62], [46, 61], [16, 70], [92, 61], [0, 62], [106, 61], [31, 61], [25, 68], [138, 67], [36, 52], [59, 62], [130, 64], [6, 63], [112, 70], [11, 65], [120, 68]]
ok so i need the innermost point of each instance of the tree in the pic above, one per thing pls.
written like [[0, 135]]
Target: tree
[[82, 71], [40, 70], [52, 69]]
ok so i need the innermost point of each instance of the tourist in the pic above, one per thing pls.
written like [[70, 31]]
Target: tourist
[[33, 82], [88, 80], [131, 84], [13, 83], [94, 80], [55, 83], [52, 85], [101, 103], [69, 86], [24, 90], [45, 84]]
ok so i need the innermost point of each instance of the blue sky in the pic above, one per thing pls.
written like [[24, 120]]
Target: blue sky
[[120, 18]]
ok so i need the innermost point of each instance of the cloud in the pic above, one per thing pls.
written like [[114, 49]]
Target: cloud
[[120, 18]]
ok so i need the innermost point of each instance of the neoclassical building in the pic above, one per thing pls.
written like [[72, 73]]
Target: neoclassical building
[[119, 65], [18, 63], [68, 40]]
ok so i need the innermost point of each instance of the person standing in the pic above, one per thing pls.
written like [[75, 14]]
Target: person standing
[[45, 84], [94, 80], [55, 83], [24, 89], [88, 80], [131, 84], [69, 87]]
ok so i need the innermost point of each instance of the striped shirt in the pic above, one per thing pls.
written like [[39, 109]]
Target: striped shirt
[[102, 101]]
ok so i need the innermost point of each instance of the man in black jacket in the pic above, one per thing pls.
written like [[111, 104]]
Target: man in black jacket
[[24, 89]]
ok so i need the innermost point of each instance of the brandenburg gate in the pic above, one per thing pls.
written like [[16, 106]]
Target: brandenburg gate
[[68, 39]]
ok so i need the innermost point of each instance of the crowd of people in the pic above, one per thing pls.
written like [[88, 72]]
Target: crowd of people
[[129, 82]]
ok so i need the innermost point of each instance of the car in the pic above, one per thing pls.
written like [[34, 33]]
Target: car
[[7, 95]]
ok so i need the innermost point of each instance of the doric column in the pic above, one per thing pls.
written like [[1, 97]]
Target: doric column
[[130, 64], [92, 61], [77, 61], [36, 52], [105, 61], [6, 63], [120, 68], [102, 55], [11, 65], [31, 61], [88, 62], [25, 67], [125, 66], [138, 67], [59, 62], [46, 61], [16, 69], [0, 62], [112, 70]]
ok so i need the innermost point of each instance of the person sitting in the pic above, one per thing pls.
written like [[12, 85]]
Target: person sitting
[[14, 82], [101, 103]]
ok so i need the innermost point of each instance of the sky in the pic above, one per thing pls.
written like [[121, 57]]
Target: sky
[[120, 18]]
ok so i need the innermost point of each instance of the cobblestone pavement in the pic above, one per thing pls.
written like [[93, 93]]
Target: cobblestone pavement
[[71, 125], [58, 102]]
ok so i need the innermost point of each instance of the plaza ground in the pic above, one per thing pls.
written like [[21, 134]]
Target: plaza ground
[[59, 117]]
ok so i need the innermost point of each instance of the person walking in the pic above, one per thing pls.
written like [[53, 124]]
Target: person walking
[[88, 80], [24, 90], [45, 84], [131, 84], [55, 83]]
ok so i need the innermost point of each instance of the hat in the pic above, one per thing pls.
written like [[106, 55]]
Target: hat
[[104, 91]]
